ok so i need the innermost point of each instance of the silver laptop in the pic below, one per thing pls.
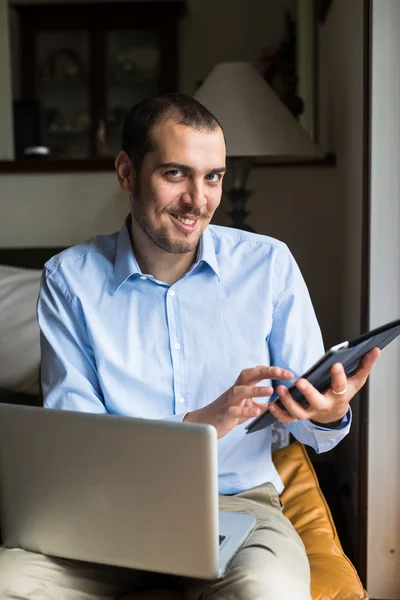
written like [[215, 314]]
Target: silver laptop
[[128, 492]]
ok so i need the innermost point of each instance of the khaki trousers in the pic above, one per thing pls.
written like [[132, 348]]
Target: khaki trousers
[[271, 565]]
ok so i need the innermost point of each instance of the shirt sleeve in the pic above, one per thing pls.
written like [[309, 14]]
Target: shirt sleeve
[[68, 366], [295, 343]]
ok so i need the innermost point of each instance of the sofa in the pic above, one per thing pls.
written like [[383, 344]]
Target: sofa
[[332, 574]]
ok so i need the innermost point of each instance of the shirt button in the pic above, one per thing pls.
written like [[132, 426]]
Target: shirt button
[[181, 398], [177, 346], [172, 292], [143, 277]]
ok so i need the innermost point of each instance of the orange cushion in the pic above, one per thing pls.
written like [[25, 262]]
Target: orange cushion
[[333, 577]]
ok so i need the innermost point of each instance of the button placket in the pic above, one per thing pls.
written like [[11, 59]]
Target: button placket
[[177, 352]]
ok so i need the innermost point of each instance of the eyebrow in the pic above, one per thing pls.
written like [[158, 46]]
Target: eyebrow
[[183, 167]]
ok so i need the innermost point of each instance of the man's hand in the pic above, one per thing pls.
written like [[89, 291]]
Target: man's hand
[[326, 409], [236, 405]]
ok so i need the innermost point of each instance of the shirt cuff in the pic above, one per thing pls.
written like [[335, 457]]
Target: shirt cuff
[[345, 422], [327, 438], [177, 418]]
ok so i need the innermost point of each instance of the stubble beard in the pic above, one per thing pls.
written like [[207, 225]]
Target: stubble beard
[[162, 236]]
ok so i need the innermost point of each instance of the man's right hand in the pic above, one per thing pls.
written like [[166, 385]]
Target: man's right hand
[[236, 405]]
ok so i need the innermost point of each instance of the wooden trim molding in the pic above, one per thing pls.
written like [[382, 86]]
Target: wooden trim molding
[[48, 165], [329, 160], [365, 291]]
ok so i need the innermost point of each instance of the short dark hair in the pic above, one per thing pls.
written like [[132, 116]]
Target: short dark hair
[[142, 117]]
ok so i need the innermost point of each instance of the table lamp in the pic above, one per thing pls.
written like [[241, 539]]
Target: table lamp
[[256, 124]]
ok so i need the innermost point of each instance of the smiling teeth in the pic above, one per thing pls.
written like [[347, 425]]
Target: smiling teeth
[[186, 221]]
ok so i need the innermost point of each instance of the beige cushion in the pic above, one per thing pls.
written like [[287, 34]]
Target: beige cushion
[[19, 331]]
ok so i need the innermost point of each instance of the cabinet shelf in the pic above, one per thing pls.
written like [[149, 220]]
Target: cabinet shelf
[[56, 165], [68, 133], [132, 82], [71, 58], [62, 85]]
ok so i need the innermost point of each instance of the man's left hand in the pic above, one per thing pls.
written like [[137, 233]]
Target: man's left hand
[[329, 408]]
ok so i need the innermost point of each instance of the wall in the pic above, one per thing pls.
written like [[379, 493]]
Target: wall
[[302, 207], [225, 30], [59, 209], [383, 568]]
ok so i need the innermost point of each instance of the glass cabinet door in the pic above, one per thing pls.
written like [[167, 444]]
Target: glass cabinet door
[[80, 67], [62, 84], [132, 74]]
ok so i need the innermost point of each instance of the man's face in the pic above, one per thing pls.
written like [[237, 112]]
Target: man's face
[[179, 185]]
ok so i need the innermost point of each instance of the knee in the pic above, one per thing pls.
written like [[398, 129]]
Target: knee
[[266, 585]]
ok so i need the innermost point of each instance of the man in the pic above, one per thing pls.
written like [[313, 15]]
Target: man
[[167, 320]]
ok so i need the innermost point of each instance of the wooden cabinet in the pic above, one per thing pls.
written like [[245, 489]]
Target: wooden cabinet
[[85, 65]]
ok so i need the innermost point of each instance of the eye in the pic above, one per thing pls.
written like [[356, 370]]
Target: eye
[[214, 177], [174, 173]]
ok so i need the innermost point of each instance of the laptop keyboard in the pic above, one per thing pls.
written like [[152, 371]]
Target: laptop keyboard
[[221, 539]]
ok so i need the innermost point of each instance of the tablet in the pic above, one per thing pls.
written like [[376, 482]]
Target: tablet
[[347, 353]]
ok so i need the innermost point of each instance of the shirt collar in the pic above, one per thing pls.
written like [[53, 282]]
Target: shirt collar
[[126, 265], [207, 252]]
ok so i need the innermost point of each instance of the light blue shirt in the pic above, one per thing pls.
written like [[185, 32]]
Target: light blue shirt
[[116, 340]]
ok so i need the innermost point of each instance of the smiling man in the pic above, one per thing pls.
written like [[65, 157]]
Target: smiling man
[[170, 319], [176, 190]]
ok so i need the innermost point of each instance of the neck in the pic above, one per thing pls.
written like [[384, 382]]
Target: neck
[[152, 260]]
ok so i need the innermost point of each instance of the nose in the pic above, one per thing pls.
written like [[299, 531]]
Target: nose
[[195, 195]]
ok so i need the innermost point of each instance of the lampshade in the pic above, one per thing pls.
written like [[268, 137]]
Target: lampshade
[[255, 121]]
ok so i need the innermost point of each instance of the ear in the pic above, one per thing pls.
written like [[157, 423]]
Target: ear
[[125, 172]]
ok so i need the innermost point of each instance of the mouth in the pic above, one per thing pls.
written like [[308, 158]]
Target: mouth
[[185, 223]]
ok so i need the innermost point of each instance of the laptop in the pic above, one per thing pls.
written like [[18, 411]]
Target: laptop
[[114, 490]]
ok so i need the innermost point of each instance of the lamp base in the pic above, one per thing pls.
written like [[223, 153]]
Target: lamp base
[[238, 199], [239, 168]]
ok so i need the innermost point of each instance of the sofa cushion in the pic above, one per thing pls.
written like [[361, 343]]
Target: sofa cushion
[[333, 577], [19, 331]]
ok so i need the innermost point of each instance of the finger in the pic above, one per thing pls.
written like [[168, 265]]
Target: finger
[[242, 392], [315, 399], [338, 378], [257, 374], [280, 414], [250, 402], [244, 419], [245, 412], [294, 409], [365, 367]]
